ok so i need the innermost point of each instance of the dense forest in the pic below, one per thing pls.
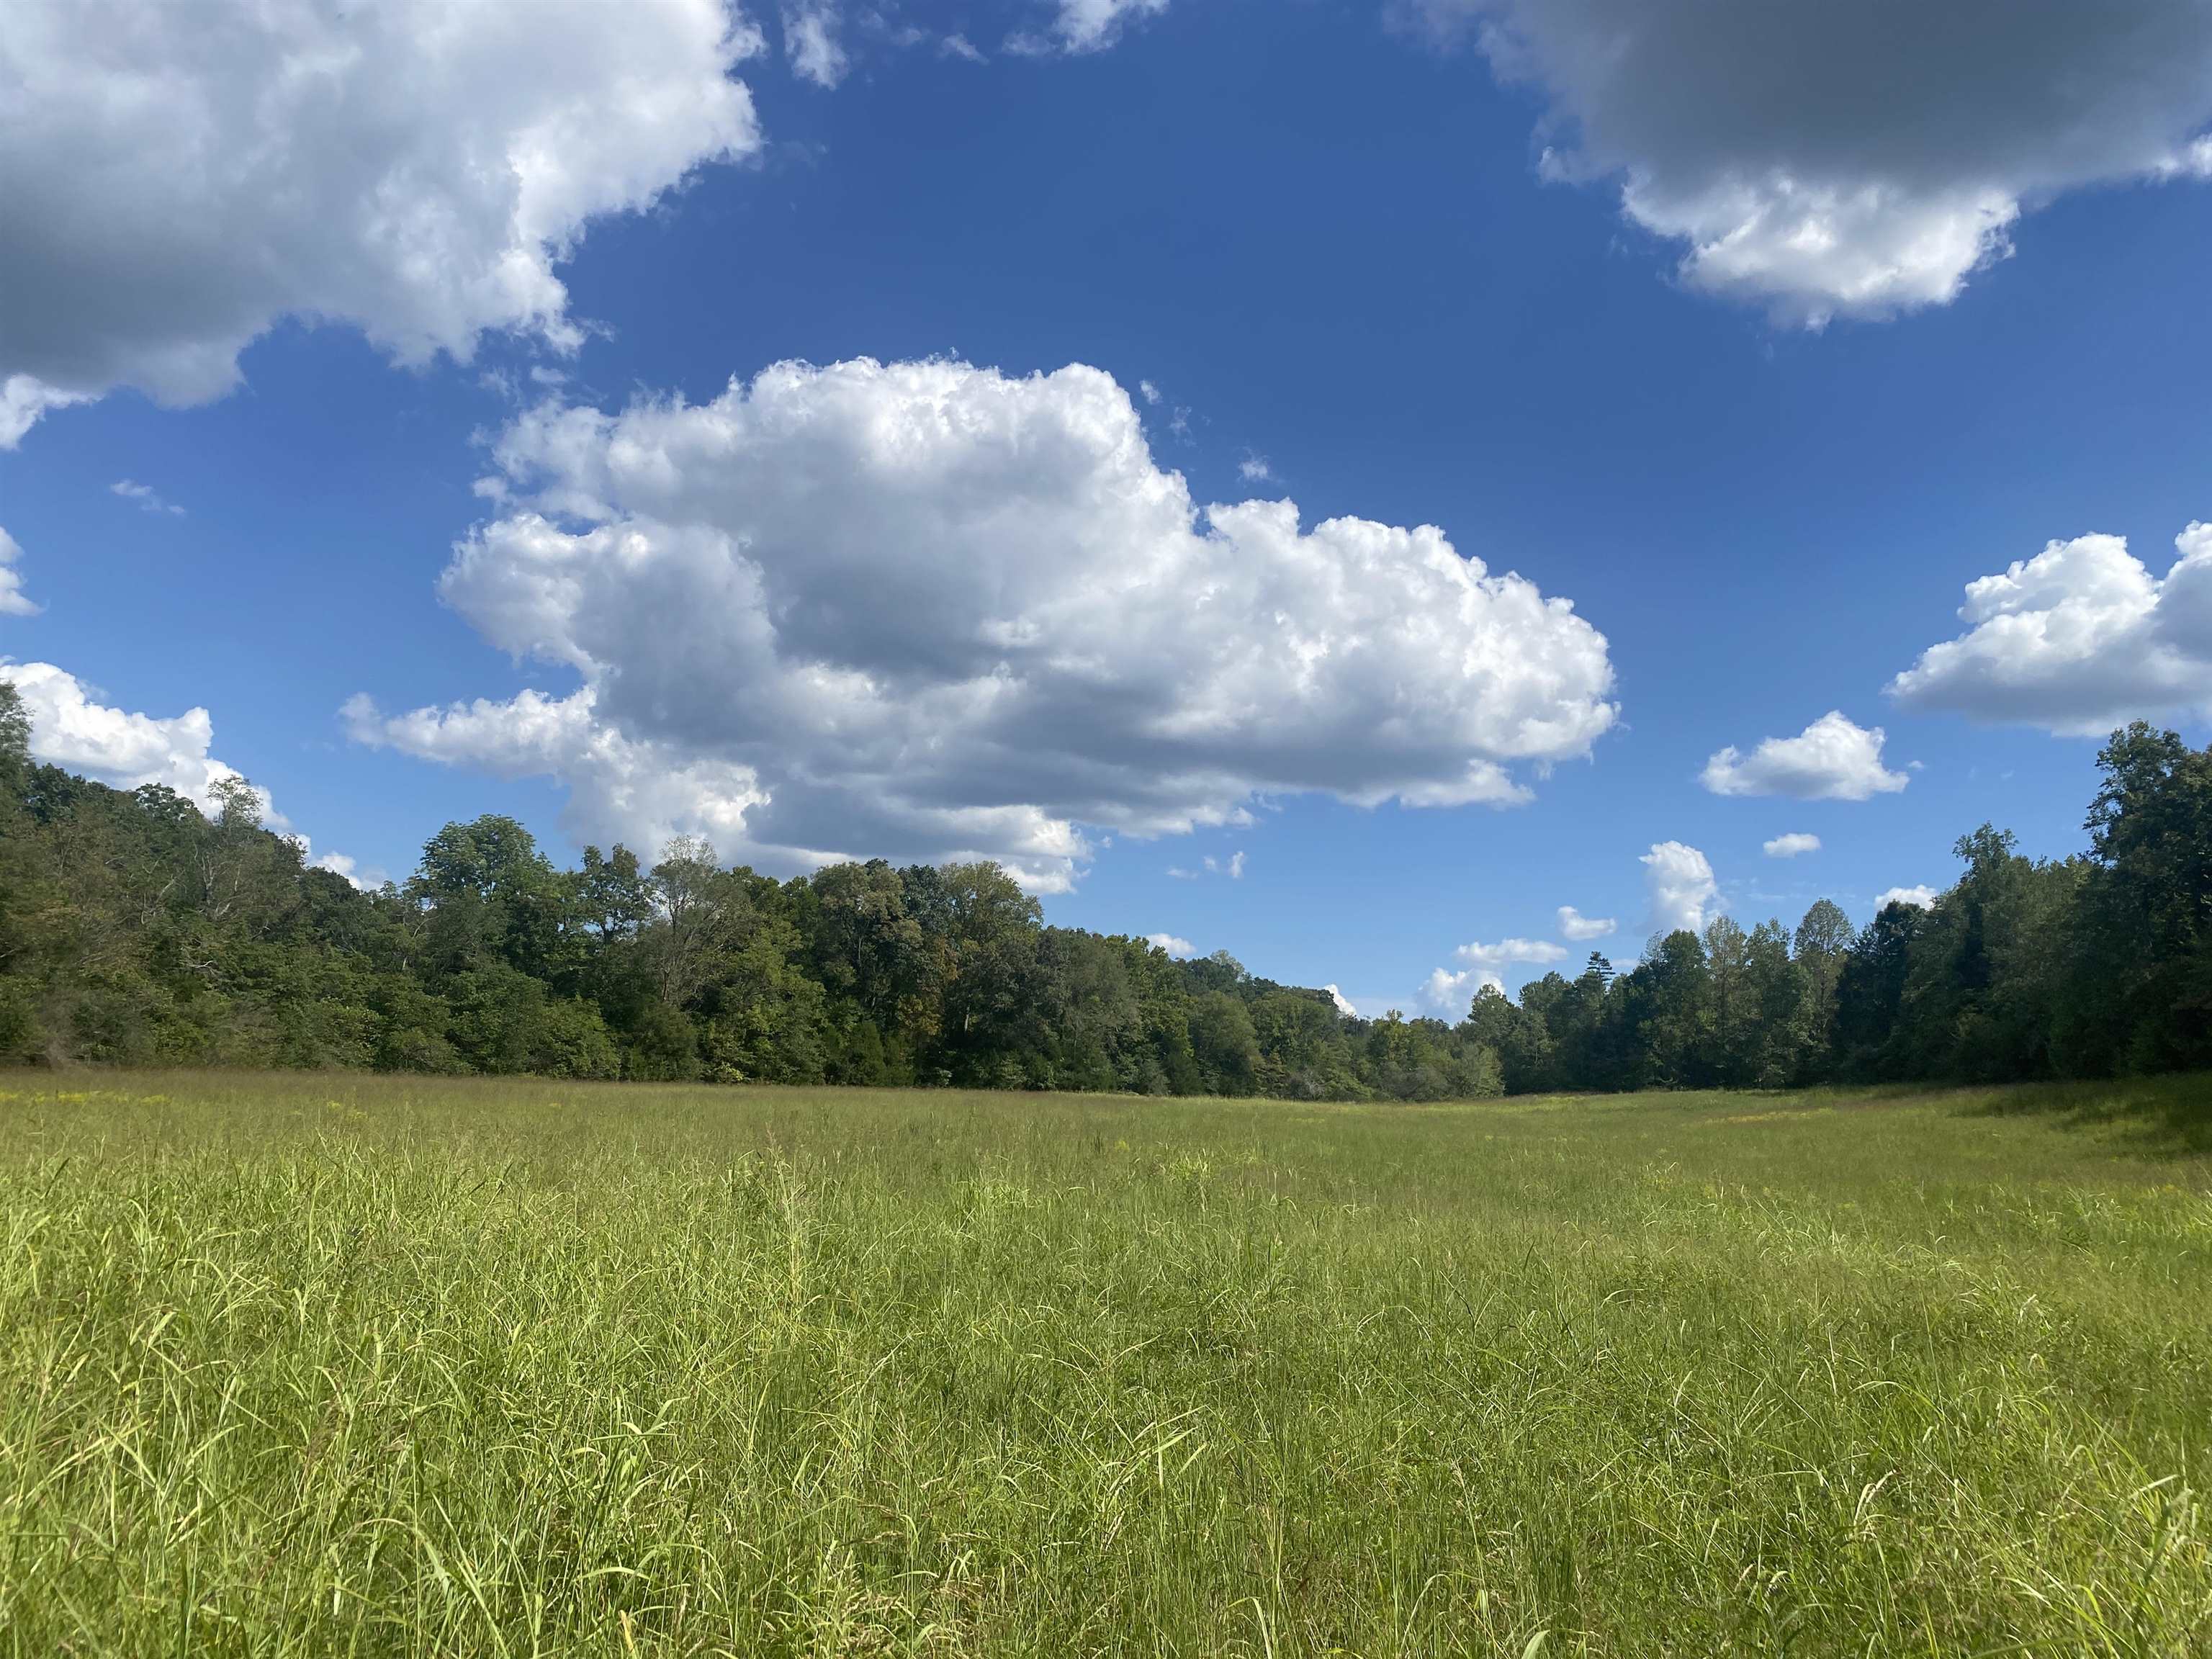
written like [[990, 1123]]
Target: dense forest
[[136, 929]]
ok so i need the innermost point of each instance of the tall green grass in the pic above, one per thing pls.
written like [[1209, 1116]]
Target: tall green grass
[[340, 1365]]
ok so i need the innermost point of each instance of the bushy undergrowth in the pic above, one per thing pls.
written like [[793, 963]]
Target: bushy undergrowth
[[297, 1366]]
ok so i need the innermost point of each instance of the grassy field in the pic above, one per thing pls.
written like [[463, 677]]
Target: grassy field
[[336, 1364]]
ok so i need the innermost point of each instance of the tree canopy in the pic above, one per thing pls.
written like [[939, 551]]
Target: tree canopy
[[137, 929]]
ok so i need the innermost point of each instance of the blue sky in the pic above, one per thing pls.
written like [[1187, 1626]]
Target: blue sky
[[1327, 253]]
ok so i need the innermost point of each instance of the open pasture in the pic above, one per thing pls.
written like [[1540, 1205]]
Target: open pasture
[[336, 1364]]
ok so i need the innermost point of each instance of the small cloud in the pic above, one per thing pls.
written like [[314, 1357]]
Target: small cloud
[[1343, 1002], [1680, 881], [1831, 759], [1179, 414], [1924, 896], [1211, 865], [1573, 924], [14, 601], [960, 46], [1254, 468], [144, 495], [1507, 951], [1177, 948], [342, 865], [1793, 845], [900, 37], [1446, 991], [1094, 25], [1444, 988], [810, 41]]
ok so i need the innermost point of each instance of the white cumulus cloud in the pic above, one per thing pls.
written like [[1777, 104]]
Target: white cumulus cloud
[[1343, 1002], [1177, 948], [2077, 640], [1680, 883], [1574, 924], [14, 601], [642, 792], [1449, 992], [1851, 159], [1507, 951], [181, 178], [23, 399], [1924, 896], [924, 609], [72, 729], [1796, 844], [1831, 759]]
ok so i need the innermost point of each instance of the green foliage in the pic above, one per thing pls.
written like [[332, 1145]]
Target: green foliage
[[15, 739], [662, 1046], [2081, 967], [19, 1021], [134, 929]]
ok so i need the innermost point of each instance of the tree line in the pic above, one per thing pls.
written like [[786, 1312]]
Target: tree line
[[2096, 965], [137, 929]]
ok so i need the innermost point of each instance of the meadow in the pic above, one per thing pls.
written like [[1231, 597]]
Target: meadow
[[303, 1364]]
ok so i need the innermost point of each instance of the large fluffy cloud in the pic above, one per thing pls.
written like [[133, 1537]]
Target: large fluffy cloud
[[1679, 882], [180, 178], [71, 728], [1857, 158], [1831, 759], [926, 609], [2077, 640], [626, 788]]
